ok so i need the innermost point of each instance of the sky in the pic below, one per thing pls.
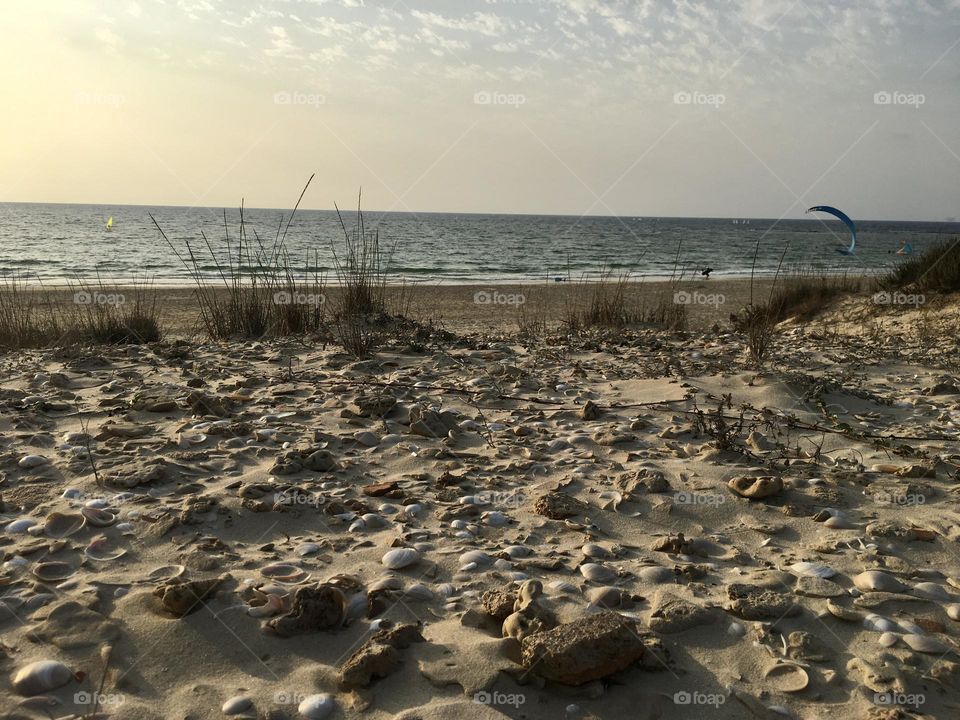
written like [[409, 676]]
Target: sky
[[741, 108]]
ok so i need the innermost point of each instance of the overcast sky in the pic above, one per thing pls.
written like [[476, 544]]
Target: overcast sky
[[742, 108]]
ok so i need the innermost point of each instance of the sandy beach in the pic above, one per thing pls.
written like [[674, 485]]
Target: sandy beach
[[630, 524]]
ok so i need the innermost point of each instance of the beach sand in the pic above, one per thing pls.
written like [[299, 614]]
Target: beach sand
[[634, 524]]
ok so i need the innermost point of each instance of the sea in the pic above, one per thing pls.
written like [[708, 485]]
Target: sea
[[57, 243]]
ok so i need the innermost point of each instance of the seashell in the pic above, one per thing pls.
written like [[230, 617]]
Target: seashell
[[272, 606], [562, 587], [40, 677], [372, 520], [495, 518], [656, 575], [930, 591], [843, 613], [925, 644], [61, 525], [839, 521], [911, 627], [316, 707], [98, 517], [611, 500], [418, 591], [736, 630], [517, 551], [953, 612], [888, 639], [810, 569], [236, 705], [32, 461], [19, 527], [876, 580], [594, 550], [166, 572], [787, 677], [99, 549], [475, 556], [595, 572], [53, 571], [388, 582], [307, 548], [411, 510], [284, 573], [400, 558], [126, 529], [880, 624], [606, 596]]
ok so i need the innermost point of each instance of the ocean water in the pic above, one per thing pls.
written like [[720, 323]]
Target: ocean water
[[53, 243]]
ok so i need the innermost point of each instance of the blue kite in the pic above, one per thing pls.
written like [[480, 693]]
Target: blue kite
[[846, 221]]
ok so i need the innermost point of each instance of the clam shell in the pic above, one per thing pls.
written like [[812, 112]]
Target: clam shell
[[595, 572], [606, 596], [236, 705], [40, 677], [166, 572], [810, 569], [53, 571], [787, 677], [400, 558], [843, 613], [316, 707], [98, 517], [931, 591], [656, 575], [925, 644], [878, 623], [307, 548], [888, 639], [418, 591], [953, 612], [388, 582], [516, 551], [99, 549], [595, 550], [284, 573], [61, 525], [19, 527], [876, 580], [32, 461], [562, 587], [475, 556]]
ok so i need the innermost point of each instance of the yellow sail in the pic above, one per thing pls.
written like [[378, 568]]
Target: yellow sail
[[110, 223]]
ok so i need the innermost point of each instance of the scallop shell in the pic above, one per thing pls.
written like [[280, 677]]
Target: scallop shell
[[595, 572], [284, 573], [98, 517], [925, 644], [787, 677], [99, 549], [61, 525], [400, 558], [53, 571], [810, 569], [876, 580], [316, 707], [40, 677]]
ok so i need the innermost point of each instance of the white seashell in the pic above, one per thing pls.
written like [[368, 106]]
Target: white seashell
[[562, 586], [166, 572], [99, 549], [412, 509], [126, 528], [911, 628], [931, 591], [19, 527], [593, 550], [953, 612], [476, 557], [888, 639], [61, 525], [357, 525], [656, 575], [283, 572], [595, 572], [495, 518], [736, 630], [40, 677], [787, 677], [307, 548], [236, 705], [372, 520], [388, 582], [876, 580], [810, 569], [316, 707], [400, 558], [517, 551], [273, 606], [925, 644], [32, 461], [606, 596], [880, 624], [53, 571], [418, 591], [98, 517]]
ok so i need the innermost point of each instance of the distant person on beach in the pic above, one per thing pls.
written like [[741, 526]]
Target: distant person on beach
[[706, 272]]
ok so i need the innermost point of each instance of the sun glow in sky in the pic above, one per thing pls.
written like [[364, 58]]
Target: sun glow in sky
[[746, 108]]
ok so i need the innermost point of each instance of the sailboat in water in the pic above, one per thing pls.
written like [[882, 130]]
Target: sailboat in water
[[109, 225]]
